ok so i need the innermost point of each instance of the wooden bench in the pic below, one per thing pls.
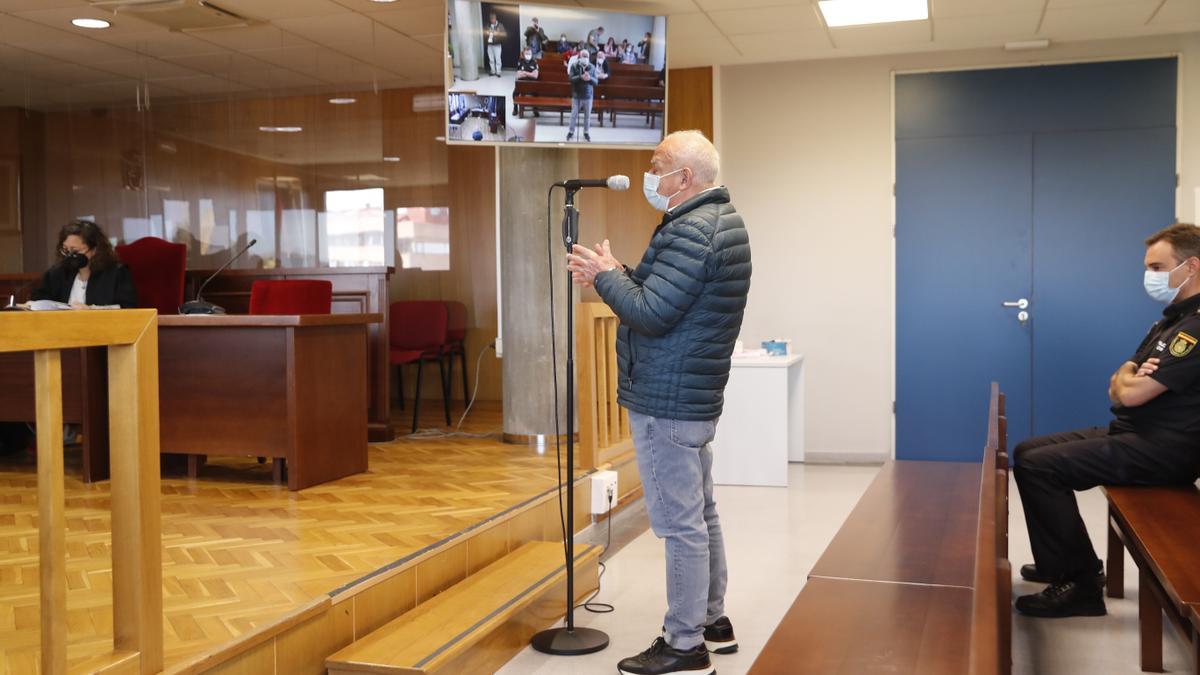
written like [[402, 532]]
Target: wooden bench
[[1160, 526], [478, 624], [555, 96], [917, 578]]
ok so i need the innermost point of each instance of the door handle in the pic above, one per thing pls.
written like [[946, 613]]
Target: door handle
[[1019, 304]]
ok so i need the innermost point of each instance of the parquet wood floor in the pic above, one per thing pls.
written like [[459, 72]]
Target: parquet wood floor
[[239, 552]]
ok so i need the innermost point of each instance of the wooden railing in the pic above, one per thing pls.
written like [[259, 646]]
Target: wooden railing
[[991, 616], [603, 425], [132, 340]]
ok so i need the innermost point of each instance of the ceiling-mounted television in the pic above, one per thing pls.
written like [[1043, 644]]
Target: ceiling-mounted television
[[527, 74]]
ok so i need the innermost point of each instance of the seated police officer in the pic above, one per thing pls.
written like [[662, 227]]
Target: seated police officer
[[1152, 441]]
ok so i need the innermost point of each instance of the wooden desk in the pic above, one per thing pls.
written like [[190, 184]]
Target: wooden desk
[[356, 290], [914, 629], [85, 399], [292, 387], [916, 523]]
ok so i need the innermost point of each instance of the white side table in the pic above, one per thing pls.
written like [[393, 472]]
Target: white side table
[[762, 425]]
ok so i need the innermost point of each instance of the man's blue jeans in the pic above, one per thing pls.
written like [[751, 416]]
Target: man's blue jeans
[[675, 463]]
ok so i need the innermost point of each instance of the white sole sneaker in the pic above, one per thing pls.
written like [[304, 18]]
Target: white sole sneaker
[[721, 647], [710, 670]]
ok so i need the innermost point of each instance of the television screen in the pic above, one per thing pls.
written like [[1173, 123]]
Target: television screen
[[554, 75]]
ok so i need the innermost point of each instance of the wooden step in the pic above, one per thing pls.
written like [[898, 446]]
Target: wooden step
[[480, 623]]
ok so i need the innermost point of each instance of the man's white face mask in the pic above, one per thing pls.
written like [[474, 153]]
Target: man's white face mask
[[650, 190]]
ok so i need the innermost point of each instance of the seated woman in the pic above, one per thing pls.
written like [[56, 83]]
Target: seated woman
[[87, 272], [610, 47], [628, 55]]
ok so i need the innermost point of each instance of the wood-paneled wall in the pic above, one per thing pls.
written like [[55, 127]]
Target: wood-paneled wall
[[690, 100], [471, 279], [82, 161]]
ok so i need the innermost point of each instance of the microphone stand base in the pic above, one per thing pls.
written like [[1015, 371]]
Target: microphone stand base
[[200, 307], [573, 642]]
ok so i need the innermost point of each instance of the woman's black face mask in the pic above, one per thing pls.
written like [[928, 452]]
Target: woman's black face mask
[[75, 261]]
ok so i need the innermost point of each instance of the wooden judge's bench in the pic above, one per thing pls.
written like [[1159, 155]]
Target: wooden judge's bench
[[311, 389]]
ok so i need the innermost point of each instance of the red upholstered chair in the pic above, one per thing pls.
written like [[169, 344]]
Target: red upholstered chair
[[417, 333], [157, 267], [291, 296], [456, 343]]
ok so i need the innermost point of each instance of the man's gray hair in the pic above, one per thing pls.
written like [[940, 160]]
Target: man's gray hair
[[693, 150]]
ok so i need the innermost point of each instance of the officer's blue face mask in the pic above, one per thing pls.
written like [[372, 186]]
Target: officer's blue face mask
[[1158, 285]]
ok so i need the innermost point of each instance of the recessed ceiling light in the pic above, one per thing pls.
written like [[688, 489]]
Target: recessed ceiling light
[[343, 100], [383, 1], [281, 130], [90, 23], [391, 159], [840, 13]]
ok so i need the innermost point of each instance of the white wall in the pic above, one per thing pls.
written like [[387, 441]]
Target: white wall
[[577, 22], [807, 150]]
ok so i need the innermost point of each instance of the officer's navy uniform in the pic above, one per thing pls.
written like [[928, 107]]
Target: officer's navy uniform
[[1157, 443]]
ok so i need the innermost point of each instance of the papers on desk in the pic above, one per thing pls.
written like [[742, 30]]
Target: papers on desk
[[54, 306], [45, 305]]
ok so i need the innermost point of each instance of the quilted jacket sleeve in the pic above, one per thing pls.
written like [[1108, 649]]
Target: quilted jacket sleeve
[[676, 277]]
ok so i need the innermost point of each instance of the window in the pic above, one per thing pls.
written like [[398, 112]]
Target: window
[[353, 230], [423, 237]]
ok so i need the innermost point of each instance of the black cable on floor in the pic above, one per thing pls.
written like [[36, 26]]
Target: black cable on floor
[[601, 607]]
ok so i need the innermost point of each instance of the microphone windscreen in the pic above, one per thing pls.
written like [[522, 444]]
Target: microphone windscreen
[[618, 182]]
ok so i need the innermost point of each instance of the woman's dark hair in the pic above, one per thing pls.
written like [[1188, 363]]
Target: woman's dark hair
[[94, 237]]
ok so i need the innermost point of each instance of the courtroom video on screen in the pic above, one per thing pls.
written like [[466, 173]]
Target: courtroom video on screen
[[560, 74]]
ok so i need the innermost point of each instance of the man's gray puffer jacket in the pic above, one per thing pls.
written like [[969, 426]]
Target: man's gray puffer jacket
[[681, 310]]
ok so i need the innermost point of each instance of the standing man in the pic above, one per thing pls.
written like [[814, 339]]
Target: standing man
[[582, 75], [595, 38], [681, 311], [535, 39], [1154, 440], [493, 37], [643, 49]]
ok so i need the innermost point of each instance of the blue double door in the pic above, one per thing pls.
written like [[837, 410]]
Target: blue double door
[[1023, 197]]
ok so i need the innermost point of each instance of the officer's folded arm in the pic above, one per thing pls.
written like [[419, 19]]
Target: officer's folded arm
[[1131, 390]]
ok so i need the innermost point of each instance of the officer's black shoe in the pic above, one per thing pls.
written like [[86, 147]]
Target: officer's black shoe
[[1072, 597], [718, 637], [1030, 573], [663, 659]]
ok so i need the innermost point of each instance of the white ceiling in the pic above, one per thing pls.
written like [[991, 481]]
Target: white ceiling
[[343, 45]]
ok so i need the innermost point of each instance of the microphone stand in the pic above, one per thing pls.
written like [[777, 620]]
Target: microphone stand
[[570, 640], [199, 306]]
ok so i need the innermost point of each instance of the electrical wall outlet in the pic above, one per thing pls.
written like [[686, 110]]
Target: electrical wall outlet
[[604, 491]]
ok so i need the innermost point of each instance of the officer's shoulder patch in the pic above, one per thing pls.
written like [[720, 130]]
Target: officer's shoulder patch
[[1182, 345]]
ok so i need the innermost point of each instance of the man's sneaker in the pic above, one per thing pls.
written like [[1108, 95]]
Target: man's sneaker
[[1030, 572], [718, 637], [587, 137], [570, 135], [663, 659], [1075, 597]]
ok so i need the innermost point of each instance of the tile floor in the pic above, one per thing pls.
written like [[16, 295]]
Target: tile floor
[[775, 535]]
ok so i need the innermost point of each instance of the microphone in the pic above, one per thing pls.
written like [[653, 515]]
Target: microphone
[[199, 306], [617, 182]]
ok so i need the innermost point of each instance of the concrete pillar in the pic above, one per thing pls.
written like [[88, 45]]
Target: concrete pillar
[[468, 47], [525, 175], [658, 42]]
